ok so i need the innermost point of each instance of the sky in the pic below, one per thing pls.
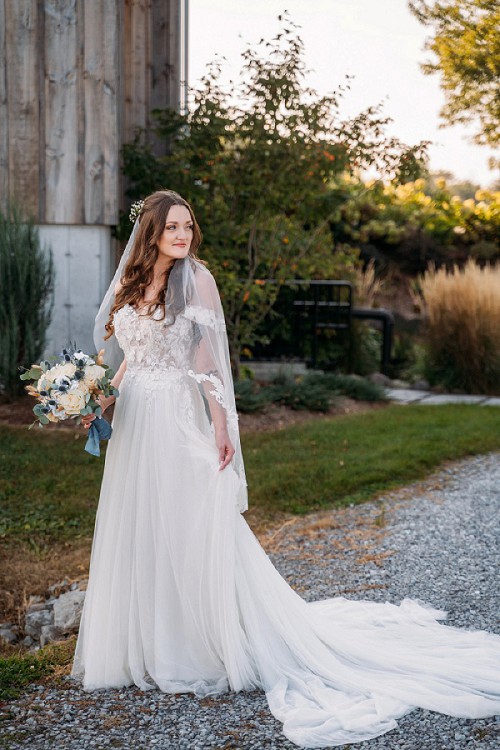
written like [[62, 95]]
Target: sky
[[379, 42]]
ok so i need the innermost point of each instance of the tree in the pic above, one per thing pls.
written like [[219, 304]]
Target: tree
[[407, 226], [466, 43], [465, 189], [26, 302], [256, 163]]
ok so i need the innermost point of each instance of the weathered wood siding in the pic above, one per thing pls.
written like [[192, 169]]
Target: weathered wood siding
[[152, 68], [62, 104], [23, 113], [76, 78], [4, 124]]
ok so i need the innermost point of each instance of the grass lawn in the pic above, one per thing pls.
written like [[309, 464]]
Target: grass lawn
[[20, 669], [350, 459], [49, 486]]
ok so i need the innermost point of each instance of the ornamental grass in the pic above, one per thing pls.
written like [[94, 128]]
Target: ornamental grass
[[462, 309]]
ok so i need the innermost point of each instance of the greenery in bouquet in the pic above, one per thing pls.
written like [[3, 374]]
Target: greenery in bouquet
[[69, 386]]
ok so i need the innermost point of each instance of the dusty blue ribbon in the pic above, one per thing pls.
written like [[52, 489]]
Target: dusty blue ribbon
[[100, 429]]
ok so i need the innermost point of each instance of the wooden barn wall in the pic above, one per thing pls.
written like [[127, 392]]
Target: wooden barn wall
[[64, 113], [152, 62], [22, 100], [76, 78], [4, 132]]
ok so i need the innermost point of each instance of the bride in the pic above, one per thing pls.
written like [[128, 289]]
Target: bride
[[181, 597]]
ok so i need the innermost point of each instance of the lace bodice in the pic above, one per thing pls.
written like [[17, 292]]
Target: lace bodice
[[189, 359], [150, 344]]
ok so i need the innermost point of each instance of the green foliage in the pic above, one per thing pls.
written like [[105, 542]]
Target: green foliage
[[314, 391], [19, 669], [26, 281], [407, 357], [300, 396], [356, 350], [347, 385], [466, 45], [412, 224], [249, 397], [256, 163], [363, 353], [463, 188]]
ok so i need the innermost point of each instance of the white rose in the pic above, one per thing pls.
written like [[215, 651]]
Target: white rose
[[72, 402], [58, 371], [62, 380], [93, 373]]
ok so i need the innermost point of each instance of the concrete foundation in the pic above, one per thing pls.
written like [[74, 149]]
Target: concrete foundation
[[267, 370], [83, 261]]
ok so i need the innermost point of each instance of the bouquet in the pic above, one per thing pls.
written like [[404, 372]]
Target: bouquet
[[69, 388]]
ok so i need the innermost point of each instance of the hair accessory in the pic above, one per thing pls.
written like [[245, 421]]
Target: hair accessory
[[135, 210]]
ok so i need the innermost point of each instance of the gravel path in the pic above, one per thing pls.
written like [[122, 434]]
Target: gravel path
[[436, 540]]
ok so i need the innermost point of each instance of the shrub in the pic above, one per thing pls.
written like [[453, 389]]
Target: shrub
[[407, 226], [298, 396], [462, 308], [358, 349], [26, 281], [407, 354], [249, 398], [314, 391], [347, 385]]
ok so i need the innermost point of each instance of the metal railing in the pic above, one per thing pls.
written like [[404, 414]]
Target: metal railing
[[319, 306]]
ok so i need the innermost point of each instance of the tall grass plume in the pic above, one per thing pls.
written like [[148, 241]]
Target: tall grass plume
[[367, 285], [462, 309]]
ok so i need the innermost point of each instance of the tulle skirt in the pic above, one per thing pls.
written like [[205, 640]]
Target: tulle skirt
[[182, 597]]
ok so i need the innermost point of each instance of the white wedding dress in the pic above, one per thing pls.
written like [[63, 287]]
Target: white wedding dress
[[182, 597]]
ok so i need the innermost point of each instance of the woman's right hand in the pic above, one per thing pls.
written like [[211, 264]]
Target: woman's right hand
[[104, 402], [88, 419]]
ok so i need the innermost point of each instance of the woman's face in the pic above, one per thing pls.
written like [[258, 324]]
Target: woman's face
[[177, 235]]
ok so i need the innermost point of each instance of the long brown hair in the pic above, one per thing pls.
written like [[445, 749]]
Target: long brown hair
[[138, 272]]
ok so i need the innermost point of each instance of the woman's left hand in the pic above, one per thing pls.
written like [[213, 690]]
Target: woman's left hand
[[225, 448]]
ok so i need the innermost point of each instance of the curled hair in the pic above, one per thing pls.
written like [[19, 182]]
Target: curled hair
[[138, 272]]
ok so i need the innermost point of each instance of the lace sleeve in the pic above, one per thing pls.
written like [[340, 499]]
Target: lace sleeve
[[205, 316], [210, 362], [209, 353]]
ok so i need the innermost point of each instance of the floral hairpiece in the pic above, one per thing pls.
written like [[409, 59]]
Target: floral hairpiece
[[135, 210]]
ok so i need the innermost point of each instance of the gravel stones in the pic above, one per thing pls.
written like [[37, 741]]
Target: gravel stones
[[436, 541]]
